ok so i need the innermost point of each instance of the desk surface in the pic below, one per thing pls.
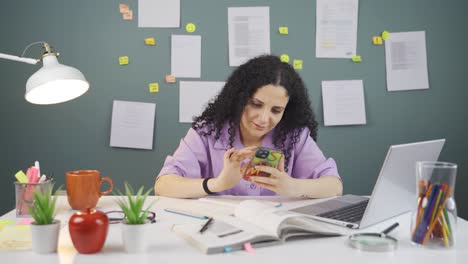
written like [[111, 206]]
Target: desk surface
[[166, 247]]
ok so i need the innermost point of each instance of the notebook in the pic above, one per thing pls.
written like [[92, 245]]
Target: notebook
[[394, 192]]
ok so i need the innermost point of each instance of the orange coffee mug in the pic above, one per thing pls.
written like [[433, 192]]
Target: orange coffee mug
[[84, 188]]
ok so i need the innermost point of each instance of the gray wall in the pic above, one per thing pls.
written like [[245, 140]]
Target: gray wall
[[91, 36]]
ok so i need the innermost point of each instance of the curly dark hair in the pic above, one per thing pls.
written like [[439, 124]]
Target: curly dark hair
[[229, 104]]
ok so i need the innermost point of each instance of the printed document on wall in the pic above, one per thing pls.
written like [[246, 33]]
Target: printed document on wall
[[159, 13], [406, 61], [343, 103], [186, 56], [336, 32], [132, 125], [249, 33], [194, 96]]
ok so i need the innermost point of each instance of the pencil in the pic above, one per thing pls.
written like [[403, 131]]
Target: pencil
[[431, 227]]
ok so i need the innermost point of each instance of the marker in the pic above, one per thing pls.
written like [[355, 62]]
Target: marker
[[36, 164], [42, 179], [185, 213], [206, 225]]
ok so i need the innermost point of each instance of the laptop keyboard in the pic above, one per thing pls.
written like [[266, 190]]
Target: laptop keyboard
[[351, 213]]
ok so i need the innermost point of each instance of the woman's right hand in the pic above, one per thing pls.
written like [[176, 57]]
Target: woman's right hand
[[231, 174]]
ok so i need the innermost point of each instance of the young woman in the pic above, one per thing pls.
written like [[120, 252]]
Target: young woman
[[263, 103]]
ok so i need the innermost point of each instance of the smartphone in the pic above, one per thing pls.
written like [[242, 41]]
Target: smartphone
[[263, 156]]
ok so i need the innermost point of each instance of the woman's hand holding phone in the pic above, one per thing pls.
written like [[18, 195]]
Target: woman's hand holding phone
[[231, 174]]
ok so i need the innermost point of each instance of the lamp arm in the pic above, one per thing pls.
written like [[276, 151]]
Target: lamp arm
[[16, 58]]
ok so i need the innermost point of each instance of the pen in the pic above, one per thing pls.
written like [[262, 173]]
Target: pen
[[206, 225], [185, 213]]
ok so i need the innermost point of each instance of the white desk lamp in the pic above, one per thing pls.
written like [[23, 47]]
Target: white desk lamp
[[54, 82]]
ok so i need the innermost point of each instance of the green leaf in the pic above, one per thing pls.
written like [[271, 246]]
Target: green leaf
[[131, 204]]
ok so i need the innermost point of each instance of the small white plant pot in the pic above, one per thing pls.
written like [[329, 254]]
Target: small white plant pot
[[133, 237], [45, 237]]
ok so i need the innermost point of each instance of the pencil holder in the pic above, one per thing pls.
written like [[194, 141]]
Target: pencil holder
[[433, 223], [24, 193]]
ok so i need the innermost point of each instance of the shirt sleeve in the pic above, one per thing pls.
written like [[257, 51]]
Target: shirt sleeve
[[189, 158], [309, 161]]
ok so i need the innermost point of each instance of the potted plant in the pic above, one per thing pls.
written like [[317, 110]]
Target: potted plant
[[45, 228], [135, 223]]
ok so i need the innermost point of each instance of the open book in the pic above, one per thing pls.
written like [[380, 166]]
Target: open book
[[256, 223]]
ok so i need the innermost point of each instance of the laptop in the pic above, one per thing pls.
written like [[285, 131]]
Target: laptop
[[394, 192]]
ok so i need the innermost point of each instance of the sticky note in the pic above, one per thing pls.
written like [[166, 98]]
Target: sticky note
[[377, 40], [385, 35], [150, 41], [21, 177], [190, 27], [154, 87], [284, 58], [5, 223], [356, 58], [283, 30], [170, 78], [123, 60], [127, 15], [248, 247], [297, 64], [123, 8], [25, 221]]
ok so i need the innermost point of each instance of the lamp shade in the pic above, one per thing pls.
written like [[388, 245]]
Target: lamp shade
[[55, 83]]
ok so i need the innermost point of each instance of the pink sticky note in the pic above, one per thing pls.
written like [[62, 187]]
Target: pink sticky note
[[248, 247], [25, 221]]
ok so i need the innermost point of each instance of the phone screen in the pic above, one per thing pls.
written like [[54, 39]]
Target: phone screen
[[263, 156]]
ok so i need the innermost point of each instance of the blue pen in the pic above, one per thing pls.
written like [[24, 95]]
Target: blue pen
[[185, 213]]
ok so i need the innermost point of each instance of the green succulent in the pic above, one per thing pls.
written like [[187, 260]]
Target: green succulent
[[131, 204], [43, 206]]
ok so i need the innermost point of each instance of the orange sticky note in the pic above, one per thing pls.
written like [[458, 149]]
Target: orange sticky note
[[123, 8], [283, 30], [150, 41], [377, 40], [297, 64], [170, 78], [123, 60], [153, 87], [128, 15]]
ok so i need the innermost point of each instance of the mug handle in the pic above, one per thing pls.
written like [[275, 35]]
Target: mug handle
[[111, 183]]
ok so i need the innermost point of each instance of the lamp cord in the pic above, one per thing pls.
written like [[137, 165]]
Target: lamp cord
[[27, 47]]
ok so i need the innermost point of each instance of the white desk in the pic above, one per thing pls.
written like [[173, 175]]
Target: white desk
[[166, 247]]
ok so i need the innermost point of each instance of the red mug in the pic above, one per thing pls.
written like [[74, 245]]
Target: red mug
[[83, 188]]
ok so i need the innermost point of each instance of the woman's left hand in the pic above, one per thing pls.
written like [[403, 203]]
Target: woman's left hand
[[278, 181]]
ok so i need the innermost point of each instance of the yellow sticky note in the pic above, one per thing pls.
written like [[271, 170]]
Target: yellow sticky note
[[123, 60], [190, 27], [154, 87], [356, 58], [127, 15], [5, 223], [284, 58], [170, 78], [376, 40], [21, 177], [123, 8], [297, 64], [385, 35], [150, 41], [283, 30]]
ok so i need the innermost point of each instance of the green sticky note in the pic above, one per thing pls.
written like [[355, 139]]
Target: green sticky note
[[385, 35], [297, 64], [284, 58], [283, 30], [21, 177], [356, 58]]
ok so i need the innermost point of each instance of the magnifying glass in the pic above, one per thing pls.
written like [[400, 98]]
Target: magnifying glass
[[377, 242]]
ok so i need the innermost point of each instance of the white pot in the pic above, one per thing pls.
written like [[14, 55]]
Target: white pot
[[45, 237], [134, 237]]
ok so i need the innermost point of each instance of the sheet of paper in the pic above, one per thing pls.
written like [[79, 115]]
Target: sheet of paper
[[194, 97], [249, 33], [186, 56], [343, 103], [336, 31], [132, 124], [159, 13], [406, 61]]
